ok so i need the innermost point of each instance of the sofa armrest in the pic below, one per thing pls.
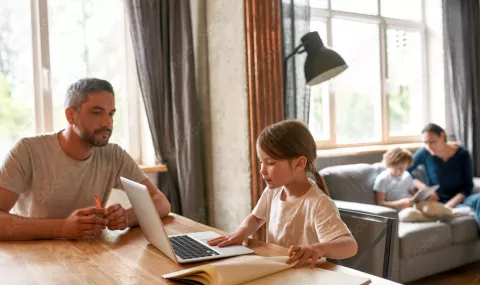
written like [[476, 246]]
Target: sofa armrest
[[367, 208], [476, 184]]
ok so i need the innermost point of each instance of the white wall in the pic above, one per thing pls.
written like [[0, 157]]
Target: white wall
[[219, 41]]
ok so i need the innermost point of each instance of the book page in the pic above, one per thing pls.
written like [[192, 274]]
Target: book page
[[266, 270], [423, 195], [242, 269], [305, 276], [204, 274], [236, 270]]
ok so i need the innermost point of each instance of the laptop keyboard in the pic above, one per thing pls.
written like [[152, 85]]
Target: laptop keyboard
[[188, 248]]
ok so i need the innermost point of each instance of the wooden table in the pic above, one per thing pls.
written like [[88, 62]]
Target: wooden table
[[117, 257]]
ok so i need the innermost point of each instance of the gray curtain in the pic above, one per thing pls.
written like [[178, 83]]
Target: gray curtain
[[461, 22], [163, 45], [295, 24]]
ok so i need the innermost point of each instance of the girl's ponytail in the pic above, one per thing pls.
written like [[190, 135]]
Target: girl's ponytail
[[321, 183], [319, 180]]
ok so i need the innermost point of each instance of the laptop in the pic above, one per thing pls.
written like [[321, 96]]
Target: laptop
[[182, 248]]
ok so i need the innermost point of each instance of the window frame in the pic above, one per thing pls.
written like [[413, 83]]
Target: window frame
[[136, 145], [384, 23]]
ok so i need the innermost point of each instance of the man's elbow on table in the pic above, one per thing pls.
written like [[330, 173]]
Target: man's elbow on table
[[166, 208], [162, 204]]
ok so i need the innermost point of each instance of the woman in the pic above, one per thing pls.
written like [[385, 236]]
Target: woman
[[447, 166]]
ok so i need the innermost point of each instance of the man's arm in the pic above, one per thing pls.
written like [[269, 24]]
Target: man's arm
[[160, 201], [14, 227], [81, 223]]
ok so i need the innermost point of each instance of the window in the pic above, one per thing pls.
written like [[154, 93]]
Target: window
[[391, 48], [73, 39], [17, 116]]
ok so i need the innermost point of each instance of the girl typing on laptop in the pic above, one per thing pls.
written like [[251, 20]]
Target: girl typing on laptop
[[297, 210]]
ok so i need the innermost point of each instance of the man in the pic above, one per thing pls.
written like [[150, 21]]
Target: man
[[48, 182]]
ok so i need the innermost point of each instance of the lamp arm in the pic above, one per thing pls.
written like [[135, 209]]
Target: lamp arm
[[294, 52]]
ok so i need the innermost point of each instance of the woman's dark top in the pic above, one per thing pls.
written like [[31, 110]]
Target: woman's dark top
[[454, 175]]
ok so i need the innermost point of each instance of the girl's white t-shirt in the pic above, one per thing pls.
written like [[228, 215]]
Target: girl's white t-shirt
[[309, 219]]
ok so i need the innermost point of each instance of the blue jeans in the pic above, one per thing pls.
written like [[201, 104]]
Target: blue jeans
[[473, 201]]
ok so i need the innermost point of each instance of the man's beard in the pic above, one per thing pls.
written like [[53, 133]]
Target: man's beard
[[92, 140]]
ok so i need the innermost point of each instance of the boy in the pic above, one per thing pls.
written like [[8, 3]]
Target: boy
[[394, 186]]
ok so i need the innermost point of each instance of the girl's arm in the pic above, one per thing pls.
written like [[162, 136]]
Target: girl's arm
[[249, 225], [336, 241], [398, 204], [342, 247]]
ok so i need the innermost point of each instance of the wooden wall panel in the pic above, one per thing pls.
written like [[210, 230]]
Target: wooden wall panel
[[264, 78]]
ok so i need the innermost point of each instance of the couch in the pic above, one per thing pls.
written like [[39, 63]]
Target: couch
[[420, 249]]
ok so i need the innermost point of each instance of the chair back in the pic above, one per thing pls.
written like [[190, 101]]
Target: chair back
[[362, 225]]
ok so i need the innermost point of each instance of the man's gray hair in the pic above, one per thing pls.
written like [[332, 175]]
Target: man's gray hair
[[77, 92]]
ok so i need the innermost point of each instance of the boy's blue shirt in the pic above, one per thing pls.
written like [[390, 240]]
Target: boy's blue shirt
[[454, 176]]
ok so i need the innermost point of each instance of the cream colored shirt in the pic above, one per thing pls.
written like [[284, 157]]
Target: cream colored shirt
[[309, 219], [50, 184]]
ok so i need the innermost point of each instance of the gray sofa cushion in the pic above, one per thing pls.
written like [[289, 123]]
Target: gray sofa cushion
[[352, 182], [420, 238], [464, 229]]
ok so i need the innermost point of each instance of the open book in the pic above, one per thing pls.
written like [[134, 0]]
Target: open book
[[255, 270], [424, 194]]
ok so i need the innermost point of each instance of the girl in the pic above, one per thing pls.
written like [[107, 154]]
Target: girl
[[298, 212]]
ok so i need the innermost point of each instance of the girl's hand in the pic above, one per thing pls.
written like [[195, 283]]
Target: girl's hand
[[239, 237], [304, 254]]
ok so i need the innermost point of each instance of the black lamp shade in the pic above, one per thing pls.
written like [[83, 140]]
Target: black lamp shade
[[322, 63]]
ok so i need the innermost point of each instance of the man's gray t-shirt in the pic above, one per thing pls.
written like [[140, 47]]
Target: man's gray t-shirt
[[52, 185]]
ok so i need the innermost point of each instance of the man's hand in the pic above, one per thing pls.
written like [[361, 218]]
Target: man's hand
[[240, 236], [86, 222], [117, 217], [304, 254]]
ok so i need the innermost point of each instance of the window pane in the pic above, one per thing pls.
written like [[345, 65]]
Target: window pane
[[17, 116], [405, 9], [322, 4], [319, 117], [87, 38], [356, 6], [357, 90], [404, 82]]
